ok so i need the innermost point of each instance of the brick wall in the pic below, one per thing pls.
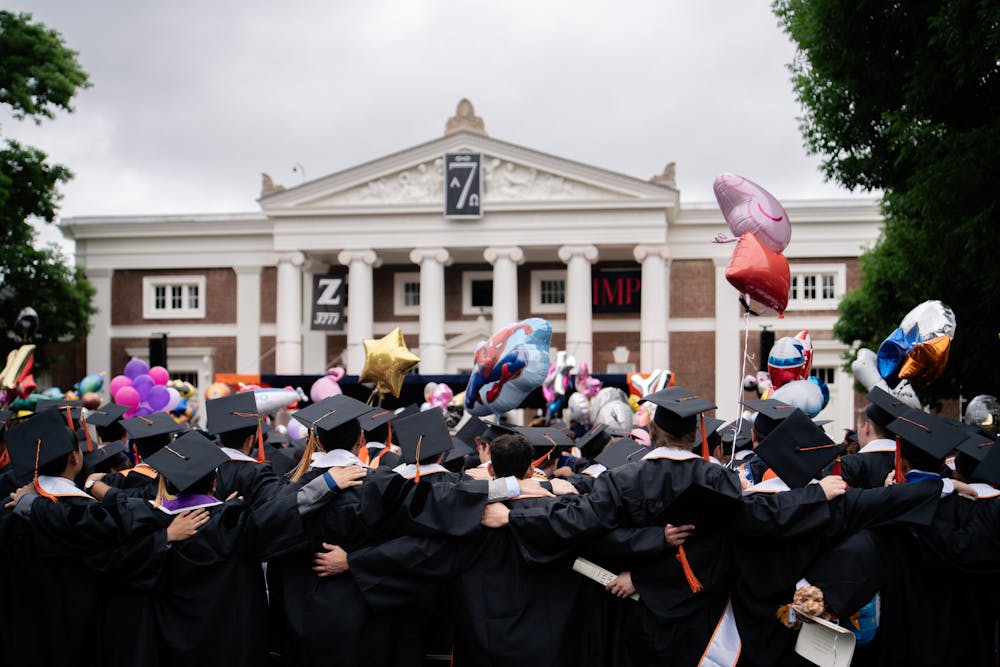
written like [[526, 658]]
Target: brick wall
[[266, 345], [692, 288], [220, 296], [692, 359], [66, 363], [383, 279], [268, 294], [606, 342]]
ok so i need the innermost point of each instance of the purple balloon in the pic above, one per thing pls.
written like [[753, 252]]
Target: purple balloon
[[158, 398], [142, 412], [135, 368], [143, 384]]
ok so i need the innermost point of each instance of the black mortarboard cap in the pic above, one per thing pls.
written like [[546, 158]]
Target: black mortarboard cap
[[620, 452], [106, 415], [560, 425], [332, 412], [677, 409], [101, 456], [425, 431], [494, 431], [740, 442], [883, 407], [544, 438], [151, 432], [988, 469], [471, 431], [797, 450], [931, 435], [976, 444], [48, 404], [236, 412], [594, 441], [375, 418], [711, 427], [44, 434], [187, 460], [458, 450], [770, 413]]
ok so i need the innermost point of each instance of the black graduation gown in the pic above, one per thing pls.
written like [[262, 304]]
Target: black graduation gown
[[255, 482], [765, 572], [867, 470], [138, 482], [938, 604], [508, 611], [383, 506], [58, 563]]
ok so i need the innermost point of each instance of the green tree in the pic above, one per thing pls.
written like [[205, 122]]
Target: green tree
[[39, 75], [904, 97]]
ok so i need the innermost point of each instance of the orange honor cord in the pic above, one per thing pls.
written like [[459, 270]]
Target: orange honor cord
[[689, 575], [38, 487], [363, 452], [899, 462]]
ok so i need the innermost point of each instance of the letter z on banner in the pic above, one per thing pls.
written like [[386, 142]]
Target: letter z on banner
[[463, 185], [329, 298]]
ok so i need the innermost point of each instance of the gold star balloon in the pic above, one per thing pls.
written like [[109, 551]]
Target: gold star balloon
[[387, 361]]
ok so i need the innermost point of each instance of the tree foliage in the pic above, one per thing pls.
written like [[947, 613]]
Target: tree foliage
[[904, 97], [39, 75]]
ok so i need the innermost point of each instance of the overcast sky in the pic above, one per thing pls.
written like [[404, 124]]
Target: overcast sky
[[191, 101]]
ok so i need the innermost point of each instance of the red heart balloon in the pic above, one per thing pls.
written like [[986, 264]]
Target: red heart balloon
[[760, 272]]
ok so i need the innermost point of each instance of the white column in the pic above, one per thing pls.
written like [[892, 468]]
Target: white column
[[247, 319], [432, 262], [288, 344], [313, 342], [653, 337], [728, 341], [505, 261], [579, 301], [360, 304], [99, 338]]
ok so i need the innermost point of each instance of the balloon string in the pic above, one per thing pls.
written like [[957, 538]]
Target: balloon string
[[743, 372]]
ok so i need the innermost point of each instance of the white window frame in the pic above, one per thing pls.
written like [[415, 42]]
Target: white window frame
[[467, 278], [399, 279], [536, 291], [149, 285], [839, 272]]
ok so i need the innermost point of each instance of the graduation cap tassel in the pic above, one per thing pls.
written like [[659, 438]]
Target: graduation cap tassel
[[363, 452], [86, 432], [161, 492], [541, 459], [306, 455], [69, 417], [704, 439], [260, 444], [38, 487], [899, 462], [836, 467], [416, 477], [689, 575]]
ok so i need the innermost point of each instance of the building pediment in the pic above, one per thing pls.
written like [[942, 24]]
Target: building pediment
[[513, 175]]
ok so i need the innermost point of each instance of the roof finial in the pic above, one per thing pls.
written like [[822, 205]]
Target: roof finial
[[465, 119]]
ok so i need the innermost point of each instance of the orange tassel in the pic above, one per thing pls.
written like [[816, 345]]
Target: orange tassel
[[416, 477], [135, 450], [689, 575], [836, 467], [541, 459], [69, 417], [86, 431], [260, 444], [899, 462], [38, 487], [704, 440], [363, 452]]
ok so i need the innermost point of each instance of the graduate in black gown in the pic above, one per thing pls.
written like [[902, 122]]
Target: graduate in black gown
[[147, 435], [239, 428], [868, 468]]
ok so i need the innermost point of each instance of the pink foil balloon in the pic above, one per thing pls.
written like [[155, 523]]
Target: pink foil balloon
[[747, 207]]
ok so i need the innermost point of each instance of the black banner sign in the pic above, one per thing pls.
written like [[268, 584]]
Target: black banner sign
[[329, 297], [616, 291], [463, 180]]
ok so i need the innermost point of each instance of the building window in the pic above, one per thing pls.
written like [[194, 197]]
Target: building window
[[548, 291], [406, 293], [167, 297], [817, 286], [827, 375], [477, 292]]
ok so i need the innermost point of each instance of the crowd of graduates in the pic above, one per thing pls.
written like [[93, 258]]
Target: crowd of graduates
[[384, 539]]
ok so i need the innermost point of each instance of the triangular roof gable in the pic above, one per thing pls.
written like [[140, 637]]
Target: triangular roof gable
[[513, 174]]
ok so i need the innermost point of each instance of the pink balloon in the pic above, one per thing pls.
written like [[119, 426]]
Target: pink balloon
[[136, 367], [442, 396], [325, 387], [117, 382], [747, 207], [296, 431], [127, 396], [159, 374], [159, 398]]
